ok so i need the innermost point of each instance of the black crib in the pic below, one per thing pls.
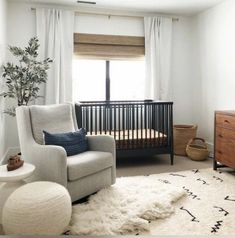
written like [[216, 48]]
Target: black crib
[[138, 127]]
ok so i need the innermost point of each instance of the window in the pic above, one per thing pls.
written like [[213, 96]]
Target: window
[[97, 80], [127, 80], [108, 67], [89, 80]]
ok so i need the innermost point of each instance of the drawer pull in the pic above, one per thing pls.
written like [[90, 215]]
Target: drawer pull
[[220, 152], [220, 136], [226, 121]]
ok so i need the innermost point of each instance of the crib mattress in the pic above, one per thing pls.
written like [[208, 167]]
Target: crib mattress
[[133, 134]]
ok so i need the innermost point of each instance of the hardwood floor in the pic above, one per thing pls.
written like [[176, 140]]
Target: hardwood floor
[[157, 164]]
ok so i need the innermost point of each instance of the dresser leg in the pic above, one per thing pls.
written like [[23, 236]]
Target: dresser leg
[[215, 164]]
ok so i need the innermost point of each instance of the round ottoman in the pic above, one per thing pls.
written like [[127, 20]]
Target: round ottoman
[[39, 208]]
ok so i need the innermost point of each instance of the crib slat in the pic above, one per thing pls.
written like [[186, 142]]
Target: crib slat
[[137, 123], [141, 121], [84, 117], [163, 123], [127, 122], [114, 120], [154, 122], [110, 113], [100, 119], [123, 123], [119, 121], [167, 124], [91, 119], [150, 121], [158, 127], [133, 125], [87, 120], [95, 121], [104, 120], [145, 121]]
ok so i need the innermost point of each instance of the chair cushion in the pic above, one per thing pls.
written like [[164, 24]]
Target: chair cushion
[[52, 118], [87, 163], [73, 142]]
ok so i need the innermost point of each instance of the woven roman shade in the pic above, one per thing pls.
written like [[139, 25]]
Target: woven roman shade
[[108, 46]]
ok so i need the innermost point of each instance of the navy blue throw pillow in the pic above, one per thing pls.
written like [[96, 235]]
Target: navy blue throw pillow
[[73, 142]]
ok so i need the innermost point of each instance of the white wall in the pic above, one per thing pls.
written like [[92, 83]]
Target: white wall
[[182, 68], [3, 40], [113, 25], [21, 27], [215, 65]]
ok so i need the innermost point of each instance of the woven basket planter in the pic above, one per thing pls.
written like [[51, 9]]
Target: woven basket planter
[[197, 151], [182, 135]]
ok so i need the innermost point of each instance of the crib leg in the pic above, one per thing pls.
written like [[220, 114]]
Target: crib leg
[[172, 158]]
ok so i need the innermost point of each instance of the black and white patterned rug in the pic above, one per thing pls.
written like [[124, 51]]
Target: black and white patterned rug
[[208, 208]]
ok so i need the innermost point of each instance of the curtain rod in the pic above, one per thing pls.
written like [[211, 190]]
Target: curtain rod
[[113, 14]]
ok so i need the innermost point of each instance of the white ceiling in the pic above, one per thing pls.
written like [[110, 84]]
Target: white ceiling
[[178, 7]]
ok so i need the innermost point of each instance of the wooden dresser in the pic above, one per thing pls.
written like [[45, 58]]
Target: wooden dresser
[[224, 139]]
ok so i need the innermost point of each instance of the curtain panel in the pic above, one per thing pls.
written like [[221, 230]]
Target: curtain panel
[[158, 47], [55, 33]]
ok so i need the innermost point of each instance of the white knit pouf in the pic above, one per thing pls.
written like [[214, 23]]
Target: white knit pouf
[[39, 208]]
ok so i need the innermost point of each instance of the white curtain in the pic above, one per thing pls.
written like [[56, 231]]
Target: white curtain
[[55, 33], [158, 41]]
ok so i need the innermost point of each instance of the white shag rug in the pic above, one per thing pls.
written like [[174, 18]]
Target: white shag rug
[[126, 207], [133, 205]]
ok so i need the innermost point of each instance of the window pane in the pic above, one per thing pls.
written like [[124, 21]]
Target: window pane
[[127, 80], [89, 80]]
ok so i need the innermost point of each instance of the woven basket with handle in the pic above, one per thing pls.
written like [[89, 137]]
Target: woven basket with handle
[[197, 151]]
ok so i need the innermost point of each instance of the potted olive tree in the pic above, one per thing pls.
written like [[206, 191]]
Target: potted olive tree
[[24, 78]]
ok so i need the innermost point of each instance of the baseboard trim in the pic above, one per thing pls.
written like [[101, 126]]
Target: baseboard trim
[[10, 151]]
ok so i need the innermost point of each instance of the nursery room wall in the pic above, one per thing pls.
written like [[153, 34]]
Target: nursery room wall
[[3, 40], [214, 65], [21, 26]]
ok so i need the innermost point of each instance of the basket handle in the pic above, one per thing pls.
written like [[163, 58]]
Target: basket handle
[[197, 138]]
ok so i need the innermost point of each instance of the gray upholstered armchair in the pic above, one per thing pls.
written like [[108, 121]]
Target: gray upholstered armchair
[[81, 174]]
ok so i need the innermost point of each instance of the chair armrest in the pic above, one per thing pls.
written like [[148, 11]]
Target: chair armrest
[[50, 162], [104, 143]]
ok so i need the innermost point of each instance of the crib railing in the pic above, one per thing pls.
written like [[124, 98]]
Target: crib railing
[[133, 124]]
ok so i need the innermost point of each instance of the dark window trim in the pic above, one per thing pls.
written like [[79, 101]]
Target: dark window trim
[[107, 81]]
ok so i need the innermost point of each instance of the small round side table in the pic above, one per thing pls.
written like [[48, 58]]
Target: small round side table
[[11, 180]]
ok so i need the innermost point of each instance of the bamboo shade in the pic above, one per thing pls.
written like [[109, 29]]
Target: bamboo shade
[[108, 46]]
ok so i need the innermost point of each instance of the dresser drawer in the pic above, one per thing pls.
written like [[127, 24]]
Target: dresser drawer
[[225, 146], [224, 134], [225, 121]]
